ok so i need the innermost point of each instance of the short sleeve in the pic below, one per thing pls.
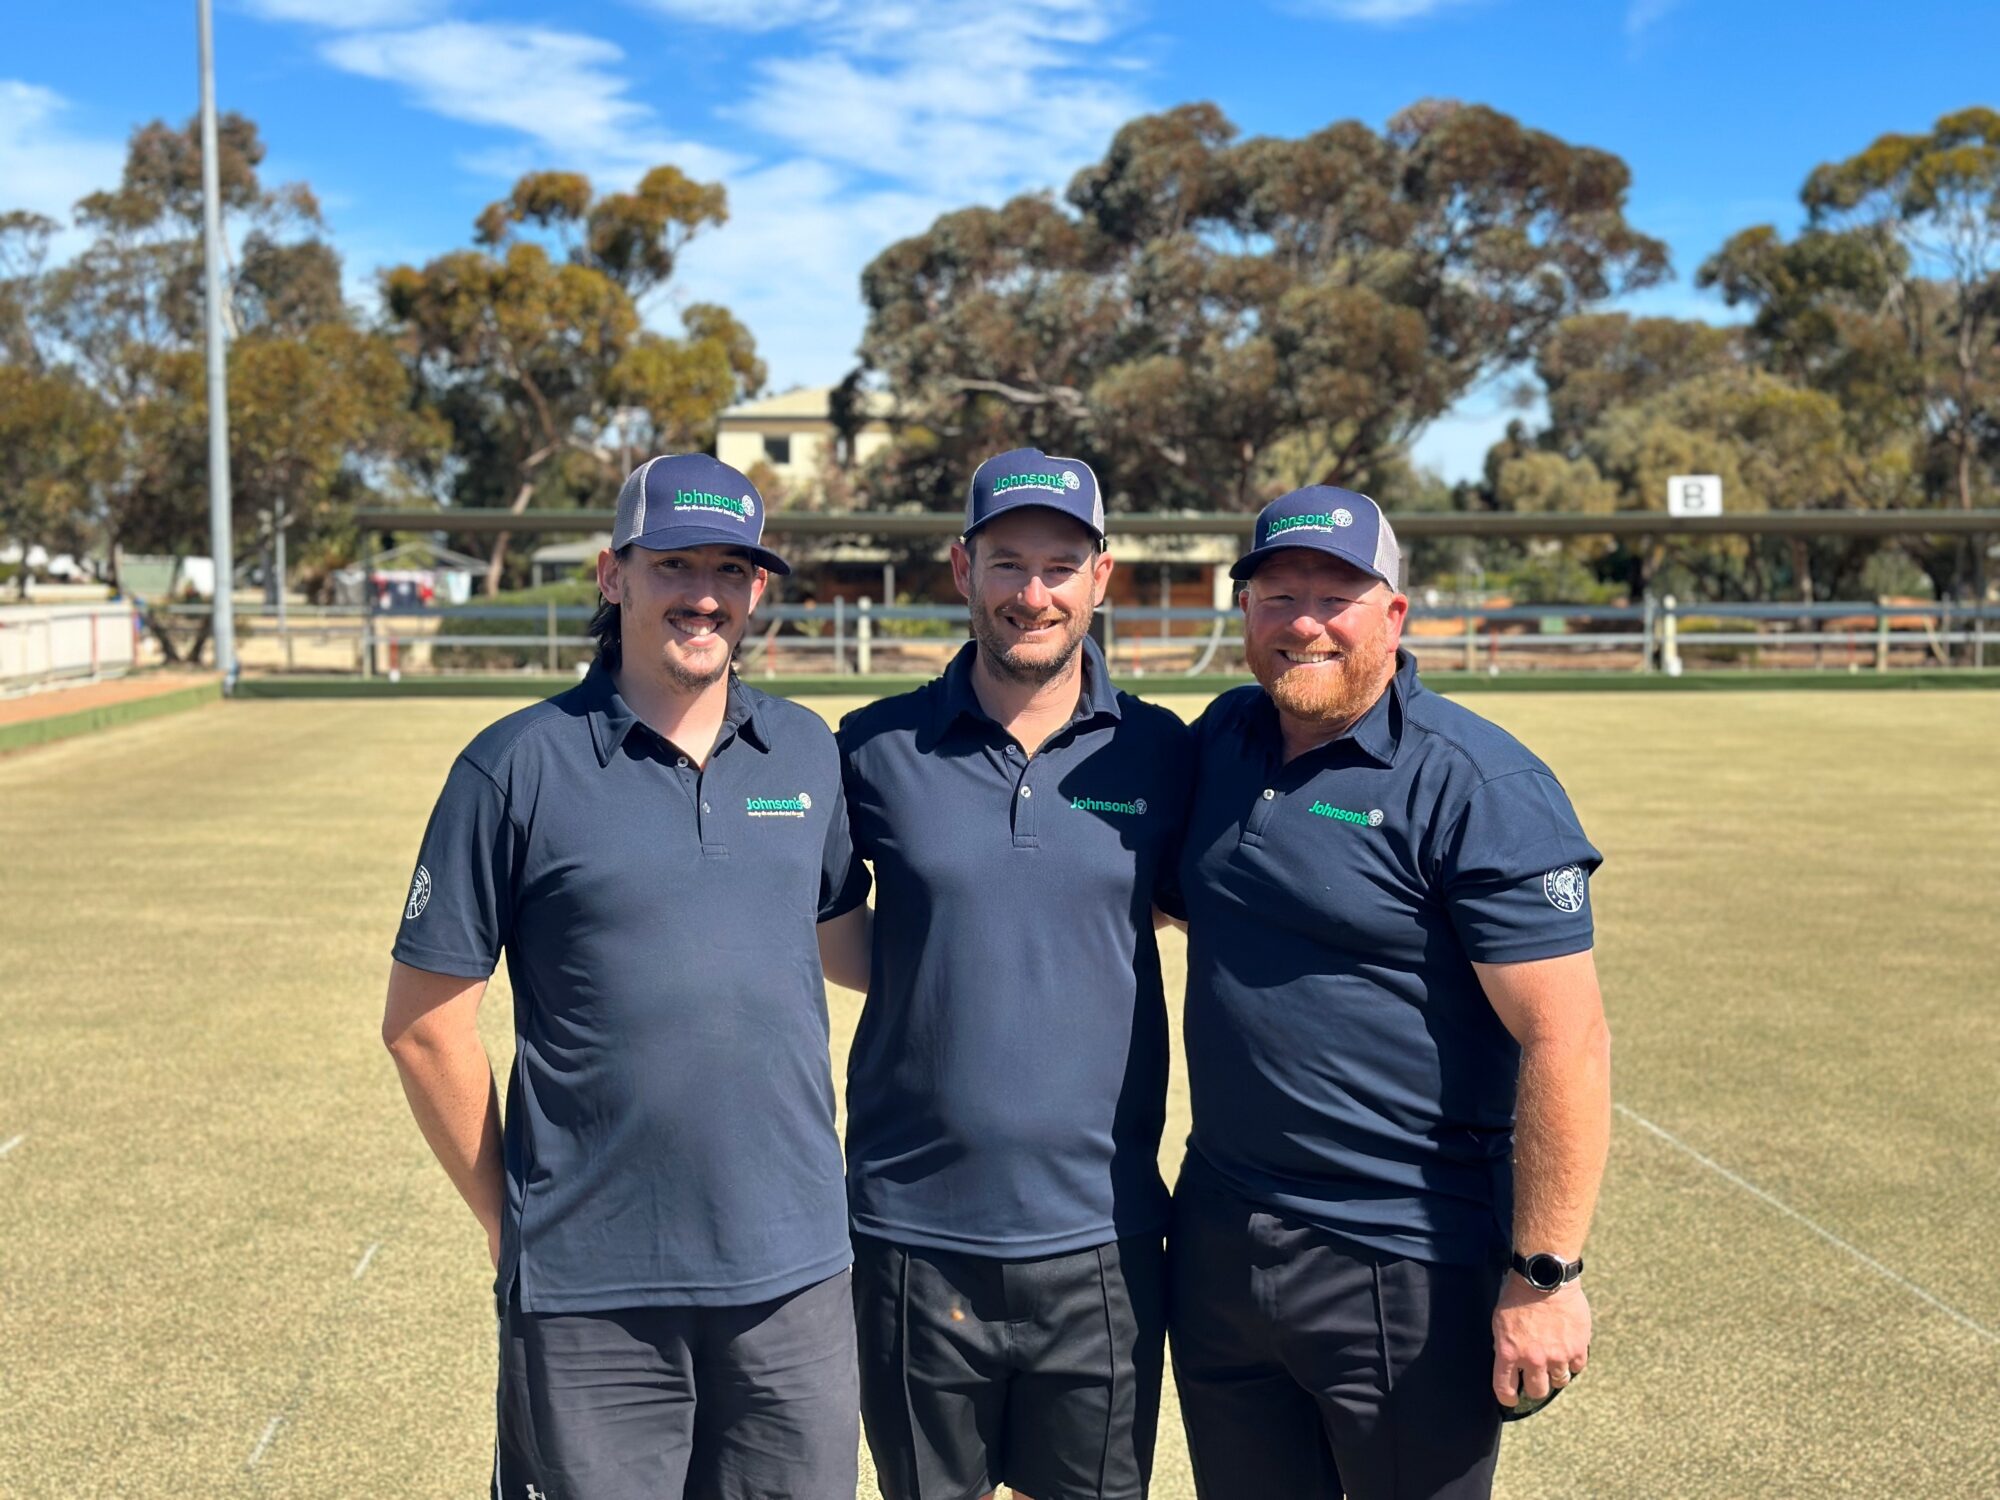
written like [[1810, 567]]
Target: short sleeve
[[461, 902], [1516, 877], [843, 879], [1167, 895]]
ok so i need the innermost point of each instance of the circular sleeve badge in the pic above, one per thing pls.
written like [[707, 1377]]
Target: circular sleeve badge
[[1565, 888], [420, 895]]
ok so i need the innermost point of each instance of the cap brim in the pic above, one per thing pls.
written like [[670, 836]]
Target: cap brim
[[1256, 557], [1007, 510], [681, 538]]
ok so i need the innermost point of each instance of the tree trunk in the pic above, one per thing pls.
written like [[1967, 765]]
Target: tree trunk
[[497, 558]]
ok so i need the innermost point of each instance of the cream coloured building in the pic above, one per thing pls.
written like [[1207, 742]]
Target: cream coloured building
[[793, 434]]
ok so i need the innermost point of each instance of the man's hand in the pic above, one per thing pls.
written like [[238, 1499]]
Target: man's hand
[[1541, 1340]]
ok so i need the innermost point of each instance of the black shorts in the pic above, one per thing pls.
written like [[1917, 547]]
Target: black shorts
[[1040, 1374], [1310, 1367], [710, 1403]]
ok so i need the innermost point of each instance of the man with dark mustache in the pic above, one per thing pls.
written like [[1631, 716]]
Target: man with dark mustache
[[1007, 1086], [1396, 1052], [652, 850]]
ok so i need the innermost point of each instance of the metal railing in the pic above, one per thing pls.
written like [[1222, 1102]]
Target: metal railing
[[860, 637]]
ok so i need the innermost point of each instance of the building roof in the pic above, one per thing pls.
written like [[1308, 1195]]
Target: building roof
[[806, 403]]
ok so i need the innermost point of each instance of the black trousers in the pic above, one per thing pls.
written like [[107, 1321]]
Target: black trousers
[[1040, 1374], [1310, 1367]]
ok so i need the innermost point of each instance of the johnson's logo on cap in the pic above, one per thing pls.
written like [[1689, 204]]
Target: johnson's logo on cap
[[1316, 520], [736, 509], [1064, 481]]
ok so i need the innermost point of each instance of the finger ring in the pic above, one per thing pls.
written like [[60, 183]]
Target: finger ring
[[1562, 1377]]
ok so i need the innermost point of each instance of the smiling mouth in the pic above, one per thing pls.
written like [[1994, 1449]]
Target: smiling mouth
[[1035, 627], [1310, 658], [694, 627]]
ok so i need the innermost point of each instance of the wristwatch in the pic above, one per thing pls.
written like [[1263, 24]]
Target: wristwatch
[[1545, 1272]]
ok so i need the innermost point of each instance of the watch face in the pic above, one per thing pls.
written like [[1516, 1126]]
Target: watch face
[[1545, 1272]]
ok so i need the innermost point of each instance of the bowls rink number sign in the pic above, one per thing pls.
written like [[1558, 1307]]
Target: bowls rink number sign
[[1694, 495]]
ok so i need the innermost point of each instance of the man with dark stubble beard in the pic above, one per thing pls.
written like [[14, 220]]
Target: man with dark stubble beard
[[1396, 1050], [1007, 1085]]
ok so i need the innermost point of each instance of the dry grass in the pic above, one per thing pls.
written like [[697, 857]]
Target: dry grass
[[1797, 937]]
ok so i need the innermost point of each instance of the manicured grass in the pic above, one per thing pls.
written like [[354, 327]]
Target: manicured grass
[[1797, 936], [27, 732]]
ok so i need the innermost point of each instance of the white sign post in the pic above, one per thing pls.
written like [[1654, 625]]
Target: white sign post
[[1694, 495]]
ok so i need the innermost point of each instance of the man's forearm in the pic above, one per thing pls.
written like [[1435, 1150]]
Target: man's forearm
[[449, 1084], [1562, 1134]]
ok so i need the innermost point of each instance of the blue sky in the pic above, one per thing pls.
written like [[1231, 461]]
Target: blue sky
[[839, 127]]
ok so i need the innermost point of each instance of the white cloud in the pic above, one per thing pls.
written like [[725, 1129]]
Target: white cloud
[[959, 99], [43, 166], [1374, 12], [346, 15], [1642, 15], [560, 89], [736, 15]]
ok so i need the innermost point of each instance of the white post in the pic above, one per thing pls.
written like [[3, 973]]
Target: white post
[[223, 617], [864, 635], [1670, 649]]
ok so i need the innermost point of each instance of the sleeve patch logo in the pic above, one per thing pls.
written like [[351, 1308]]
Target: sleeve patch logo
[[420, 895], [1565, 888]]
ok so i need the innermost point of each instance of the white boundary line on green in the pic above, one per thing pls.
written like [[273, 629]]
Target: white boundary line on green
[[6, 1146], [361, 1267], [1826, 1234]]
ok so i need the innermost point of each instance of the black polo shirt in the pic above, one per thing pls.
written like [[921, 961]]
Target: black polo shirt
[[1007, 1087], [670, 1133], [1345, 1065]]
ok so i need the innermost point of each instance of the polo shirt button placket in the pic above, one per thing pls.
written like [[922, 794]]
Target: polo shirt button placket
[[1024, 814], [1261, 813]]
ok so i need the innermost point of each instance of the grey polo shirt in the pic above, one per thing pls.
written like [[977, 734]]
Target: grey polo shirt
[[670, 1130]]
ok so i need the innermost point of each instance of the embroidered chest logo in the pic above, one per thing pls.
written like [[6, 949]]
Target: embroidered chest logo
[[779, 807], [1370, 819], [1136, 808], [420, 895]]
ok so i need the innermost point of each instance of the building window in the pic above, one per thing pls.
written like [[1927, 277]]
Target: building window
[[778, 449]]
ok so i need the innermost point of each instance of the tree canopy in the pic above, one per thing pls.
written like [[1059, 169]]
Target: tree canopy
[[1210, 320], [533, 347]]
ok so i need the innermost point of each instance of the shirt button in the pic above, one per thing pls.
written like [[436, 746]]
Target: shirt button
[[682, 762], [1027, 791], [704, 807], [1269, 794]]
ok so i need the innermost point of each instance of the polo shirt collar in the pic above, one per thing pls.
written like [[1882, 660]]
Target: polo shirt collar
[[1377, 734], [611, 717], [956, 696]]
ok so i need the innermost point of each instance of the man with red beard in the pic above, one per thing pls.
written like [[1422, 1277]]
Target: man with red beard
[[1396, 1050], [1007, 1085]]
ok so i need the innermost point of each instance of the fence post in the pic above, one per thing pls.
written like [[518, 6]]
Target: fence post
[[864, 635], [839, 636], [1881, 635], [554, 665], [1652, 610], [1670, 646], [1471, 640]]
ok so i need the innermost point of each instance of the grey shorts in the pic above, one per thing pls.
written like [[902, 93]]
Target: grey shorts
[[1039, 1374], [707, 1403]]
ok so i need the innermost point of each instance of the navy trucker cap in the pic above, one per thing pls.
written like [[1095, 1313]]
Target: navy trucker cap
[[1350, 526], [1028, 476], [691, 500]]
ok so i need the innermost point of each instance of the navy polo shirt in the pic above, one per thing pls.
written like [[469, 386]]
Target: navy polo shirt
[[1345, 1065], [1007, 1085], [670, 1133]]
